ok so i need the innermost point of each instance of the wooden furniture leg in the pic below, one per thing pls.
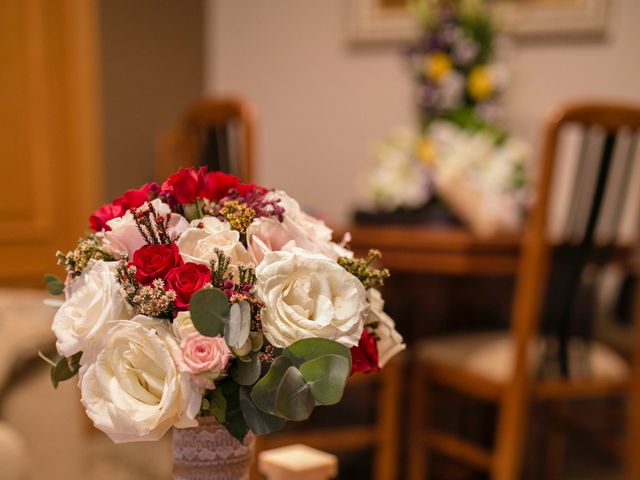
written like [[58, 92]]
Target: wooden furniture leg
[[418, 448], [386, 462], [511, 433]]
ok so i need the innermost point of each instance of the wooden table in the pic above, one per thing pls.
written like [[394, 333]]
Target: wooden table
[[437, 250]]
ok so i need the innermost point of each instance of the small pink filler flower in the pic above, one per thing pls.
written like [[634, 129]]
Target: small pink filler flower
[[203, 357]]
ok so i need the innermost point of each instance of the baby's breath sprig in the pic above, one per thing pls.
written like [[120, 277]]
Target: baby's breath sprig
[[75, 261], [154, 301], [361, 268], [151, 300]]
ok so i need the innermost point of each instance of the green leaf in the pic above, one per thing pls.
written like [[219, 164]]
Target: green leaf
[[294, 400], [54, 285], [327, 376], [259, 422], [234, 420], [264, 392], [218, 405], [236, 330], [209, 309], [257, 340], [310, 348], [236, 425], [65, 369], [246, 373]]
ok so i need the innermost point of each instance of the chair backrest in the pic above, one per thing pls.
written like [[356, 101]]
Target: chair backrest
[[216, 132], [597, 201]]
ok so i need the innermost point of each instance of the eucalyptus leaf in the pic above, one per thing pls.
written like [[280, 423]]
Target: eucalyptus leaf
[[310, 348], [259, 422], [264, 392], [234, 420], [54, 285], [327, 376], [209, 309], [65, 369], [256, 339], [218, 405], [246, 373], [294, 400], [236, 330]]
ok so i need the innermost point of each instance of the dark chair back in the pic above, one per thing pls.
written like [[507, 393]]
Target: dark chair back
[[214, 132], [599, 201]]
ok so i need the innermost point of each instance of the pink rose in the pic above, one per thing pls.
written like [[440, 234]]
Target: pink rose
[[203, 357], [123, 235], [266, 235]]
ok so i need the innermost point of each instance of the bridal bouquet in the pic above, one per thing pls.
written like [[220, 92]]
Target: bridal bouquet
[[205, 296]]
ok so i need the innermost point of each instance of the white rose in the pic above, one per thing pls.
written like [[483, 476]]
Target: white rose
[[390, 342], [308, 295], [133, 391], [96, 299], [183, 325], [124, 236], [198, 245]]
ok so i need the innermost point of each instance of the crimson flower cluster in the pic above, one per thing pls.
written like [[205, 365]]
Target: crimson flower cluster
[[160, 261]]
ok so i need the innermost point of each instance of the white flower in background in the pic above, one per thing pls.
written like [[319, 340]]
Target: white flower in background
[[390, 342], [482, 180], [183, 325], [396, 179], [308, 295], [133, 391], [476, 156], [80, 323], [199, 245], [124, 236]]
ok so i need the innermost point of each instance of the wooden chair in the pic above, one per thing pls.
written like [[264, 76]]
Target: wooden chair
[[501, 367], [216, 132], [382, 436]]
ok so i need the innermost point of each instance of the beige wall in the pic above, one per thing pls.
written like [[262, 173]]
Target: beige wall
[[324, 103]]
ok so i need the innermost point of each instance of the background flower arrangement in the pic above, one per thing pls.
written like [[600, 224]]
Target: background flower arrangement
[[204, 296], [460, 149]]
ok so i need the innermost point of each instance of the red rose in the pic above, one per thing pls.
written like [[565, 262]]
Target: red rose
[[116, 209], [136, 198], [216, 185], [155, 261], [249, 189], [187, 280], [98, 219], [184, 185], [364, 356]]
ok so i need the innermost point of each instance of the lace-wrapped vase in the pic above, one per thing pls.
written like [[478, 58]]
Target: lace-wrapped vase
[[209, 452]]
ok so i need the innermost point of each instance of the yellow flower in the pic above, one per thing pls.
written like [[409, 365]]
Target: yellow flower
[[426, 151], [480, 83], [437, 66]]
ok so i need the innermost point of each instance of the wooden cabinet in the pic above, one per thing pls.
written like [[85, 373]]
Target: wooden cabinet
[[49, 133]]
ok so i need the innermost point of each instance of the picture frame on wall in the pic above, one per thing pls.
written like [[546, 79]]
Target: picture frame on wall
[[390, 21]]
